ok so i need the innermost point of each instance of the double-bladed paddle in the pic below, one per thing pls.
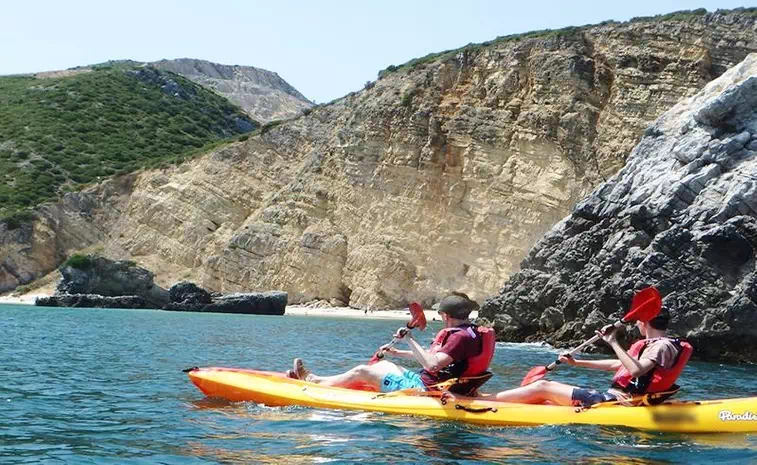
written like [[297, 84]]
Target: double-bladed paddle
[[417, 320], [646, 304]]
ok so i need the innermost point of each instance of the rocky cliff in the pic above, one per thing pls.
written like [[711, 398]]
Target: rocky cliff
[[261, 93], [681, 215], [440, 175]]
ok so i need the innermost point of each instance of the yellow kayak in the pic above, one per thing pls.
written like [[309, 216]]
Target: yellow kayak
[[275, 389]]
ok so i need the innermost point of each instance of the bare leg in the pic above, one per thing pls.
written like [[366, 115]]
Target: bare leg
[[368, 374], [538, 393]]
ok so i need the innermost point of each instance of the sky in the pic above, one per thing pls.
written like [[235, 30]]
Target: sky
[[324, 48]]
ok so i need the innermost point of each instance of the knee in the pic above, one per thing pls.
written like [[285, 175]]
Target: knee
[[360, 371], [541, 385]]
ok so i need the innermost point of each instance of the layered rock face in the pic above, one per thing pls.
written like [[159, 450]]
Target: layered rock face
[[261, 93], [80, 219], [438, 177], [681, 215]]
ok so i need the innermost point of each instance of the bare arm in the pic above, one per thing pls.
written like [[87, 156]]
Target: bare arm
[[636, 367], [398, 352], [430, 362], [605, 365]]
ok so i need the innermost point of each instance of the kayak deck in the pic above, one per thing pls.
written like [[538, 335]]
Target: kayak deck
[[275, 389]]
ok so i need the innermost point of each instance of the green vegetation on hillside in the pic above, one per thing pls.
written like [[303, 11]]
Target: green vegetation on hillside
[[59, 133], [79, 261], [570, 31]]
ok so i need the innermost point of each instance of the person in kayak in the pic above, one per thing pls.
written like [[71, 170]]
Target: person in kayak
[[650, 365], [460, 349]]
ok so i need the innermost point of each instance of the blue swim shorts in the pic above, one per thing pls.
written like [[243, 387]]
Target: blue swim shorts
[[589, 397], [407, 380]]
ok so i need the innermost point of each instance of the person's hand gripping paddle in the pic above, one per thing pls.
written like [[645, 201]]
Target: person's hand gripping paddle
[[417, 320], [646, 304]]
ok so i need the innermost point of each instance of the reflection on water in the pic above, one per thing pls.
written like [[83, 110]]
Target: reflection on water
[[476, 444], [375, 437], [252, 456]]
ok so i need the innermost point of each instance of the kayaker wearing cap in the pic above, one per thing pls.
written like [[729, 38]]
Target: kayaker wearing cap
[[650, 365], [458, 349]]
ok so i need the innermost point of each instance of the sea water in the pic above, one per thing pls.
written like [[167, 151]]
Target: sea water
[[105, 386]]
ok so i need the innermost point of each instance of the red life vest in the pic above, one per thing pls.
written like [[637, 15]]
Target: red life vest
[[474, 365], [658, 379]]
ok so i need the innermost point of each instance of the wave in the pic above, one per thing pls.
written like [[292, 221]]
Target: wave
[[530, 346]]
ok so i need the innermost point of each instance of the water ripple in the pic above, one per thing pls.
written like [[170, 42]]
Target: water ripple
[[105, 386]]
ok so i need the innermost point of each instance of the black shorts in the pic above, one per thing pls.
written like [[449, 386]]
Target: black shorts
[[589, 397]]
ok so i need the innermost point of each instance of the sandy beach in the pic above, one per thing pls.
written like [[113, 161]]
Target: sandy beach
[[26, 299], [348, 312], [296, 310]]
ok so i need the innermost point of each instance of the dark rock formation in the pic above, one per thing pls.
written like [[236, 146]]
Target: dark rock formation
[[97, 282], [185, 293], [681, 215], [187, 296], [97, 275], [92, 301]]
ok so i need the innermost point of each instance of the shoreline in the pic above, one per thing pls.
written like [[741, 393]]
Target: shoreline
[[291, 310], [349, 312], [26, 299]]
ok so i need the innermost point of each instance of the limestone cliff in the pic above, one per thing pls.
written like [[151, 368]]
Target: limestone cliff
[[262, 94], [437, 176], [681, 215]]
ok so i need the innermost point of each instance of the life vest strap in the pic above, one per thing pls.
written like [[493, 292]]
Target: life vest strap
[[464, 385], [438, 389], [648, 399]]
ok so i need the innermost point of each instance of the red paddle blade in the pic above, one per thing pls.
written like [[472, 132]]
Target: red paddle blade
[[646, 304], [418, 317], [535, 374], [374, 359]]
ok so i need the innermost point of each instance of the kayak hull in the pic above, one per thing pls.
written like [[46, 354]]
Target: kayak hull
[[275, 389]]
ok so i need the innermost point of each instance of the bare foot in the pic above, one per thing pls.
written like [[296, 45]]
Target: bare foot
[[300, 371]]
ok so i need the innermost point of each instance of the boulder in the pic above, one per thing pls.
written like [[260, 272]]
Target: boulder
[[265, 303], [189, 294], [91, 281], [109, 278], [92, 301]]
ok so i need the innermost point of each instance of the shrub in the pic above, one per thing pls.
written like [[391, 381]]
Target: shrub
[[270, 125], [407, 98], [79, 261], [22, 290], [17, 219]]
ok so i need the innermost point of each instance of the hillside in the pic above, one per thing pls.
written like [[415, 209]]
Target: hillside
[[439, 176], [263, 94], [60, 132]]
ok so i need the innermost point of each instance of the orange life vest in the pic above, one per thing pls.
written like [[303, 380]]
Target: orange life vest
[[658, 379], [474, 365]]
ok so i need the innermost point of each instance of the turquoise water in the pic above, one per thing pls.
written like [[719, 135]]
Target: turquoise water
[[105, 386]]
